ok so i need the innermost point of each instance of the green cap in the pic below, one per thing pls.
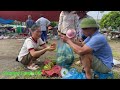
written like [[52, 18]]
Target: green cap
[[88, 23]]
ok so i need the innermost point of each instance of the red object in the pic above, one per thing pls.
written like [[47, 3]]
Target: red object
[[23, 15], [54, 71]]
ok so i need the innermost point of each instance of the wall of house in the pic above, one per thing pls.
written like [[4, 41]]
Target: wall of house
[[22, 15]]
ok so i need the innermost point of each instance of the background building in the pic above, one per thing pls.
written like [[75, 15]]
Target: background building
[[22, 15]]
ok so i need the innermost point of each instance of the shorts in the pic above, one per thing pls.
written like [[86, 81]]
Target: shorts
[[27, 59], [99, 66]]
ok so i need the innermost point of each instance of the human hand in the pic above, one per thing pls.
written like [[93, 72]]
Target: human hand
[[52, 47], [50, 27], [58, 33], [78, 42], [65, 38]]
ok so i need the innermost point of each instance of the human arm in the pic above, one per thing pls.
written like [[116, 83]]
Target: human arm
[[35, 51], [38, 22], [78, 42], [77, 49], [37, 54], [48, 22], [42, 46]]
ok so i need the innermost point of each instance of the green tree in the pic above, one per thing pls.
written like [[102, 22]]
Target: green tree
[[111, 19]]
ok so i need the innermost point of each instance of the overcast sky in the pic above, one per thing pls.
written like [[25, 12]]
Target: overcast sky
[[94, 14]]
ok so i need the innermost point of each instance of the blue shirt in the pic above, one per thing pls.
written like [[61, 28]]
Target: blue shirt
[[101, 49], [29, 23]]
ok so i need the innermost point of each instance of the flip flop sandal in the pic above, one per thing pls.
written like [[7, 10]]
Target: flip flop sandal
[[37, 66], [33, 67]]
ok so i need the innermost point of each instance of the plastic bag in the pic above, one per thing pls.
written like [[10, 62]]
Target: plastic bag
[[65, 55], [74, 74]]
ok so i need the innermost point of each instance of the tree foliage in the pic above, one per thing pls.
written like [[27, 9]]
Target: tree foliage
[[111, 19], [53, 24]]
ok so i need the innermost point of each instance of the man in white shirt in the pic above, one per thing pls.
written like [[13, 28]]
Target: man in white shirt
[[30, 50], [43, 23], [67, 20]]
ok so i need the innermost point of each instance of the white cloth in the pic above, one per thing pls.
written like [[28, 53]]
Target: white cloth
[[67, 21], [43, 23], [28, 44]]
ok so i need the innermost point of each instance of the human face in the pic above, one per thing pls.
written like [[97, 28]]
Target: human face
[[87, 31], [37, 33], [81, 14]]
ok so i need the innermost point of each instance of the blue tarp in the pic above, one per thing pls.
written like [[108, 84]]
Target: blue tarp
[[8, 21]]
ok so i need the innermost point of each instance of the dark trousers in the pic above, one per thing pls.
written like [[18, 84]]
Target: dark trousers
[[44, 36]]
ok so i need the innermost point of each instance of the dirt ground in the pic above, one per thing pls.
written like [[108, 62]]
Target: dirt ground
[[115, 45], [10, 48]]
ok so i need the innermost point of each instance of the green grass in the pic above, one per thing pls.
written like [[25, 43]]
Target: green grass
[[116, 54], [28, 74], [116, 75], [37, 74], [21, 73]]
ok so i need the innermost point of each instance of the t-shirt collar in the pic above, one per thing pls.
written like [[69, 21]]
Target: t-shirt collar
[[95, 33], [34, 40]]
